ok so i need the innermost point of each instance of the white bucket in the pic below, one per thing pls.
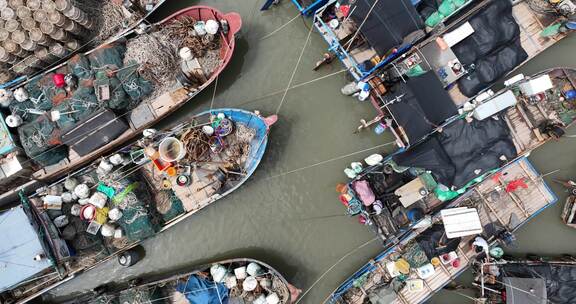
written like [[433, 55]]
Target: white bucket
[[240, 273], [171, 149], [250, 284], [253, 269]]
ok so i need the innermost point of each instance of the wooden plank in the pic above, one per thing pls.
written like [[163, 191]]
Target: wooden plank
[[515, 199], [490, 207]]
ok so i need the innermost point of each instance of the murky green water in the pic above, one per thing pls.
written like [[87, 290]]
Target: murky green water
[[294, 221]]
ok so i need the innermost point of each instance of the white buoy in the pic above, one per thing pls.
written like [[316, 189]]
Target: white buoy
[[6, 97], [14, 121], [104, 167], [212, 27], [185, 53], [116, 159], [107, 230], [114, 214], [98, 199], [249, 284], [272, 298], [218, 273], [82, 191], [240, 272], [253, 269]]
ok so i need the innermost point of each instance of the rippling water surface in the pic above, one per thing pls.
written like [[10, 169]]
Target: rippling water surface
[[288, 214]]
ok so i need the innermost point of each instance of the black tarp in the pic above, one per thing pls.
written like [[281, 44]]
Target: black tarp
[[462, 151], [560, 279], [388, 23], [494, 48], [424, 105]]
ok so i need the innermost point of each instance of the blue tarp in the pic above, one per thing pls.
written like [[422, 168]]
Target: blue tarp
[[201, 291], [19, 244]]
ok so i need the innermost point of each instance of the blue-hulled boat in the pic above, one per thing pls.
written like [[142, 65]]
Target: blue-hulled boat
[[140, 190], [503, 201]]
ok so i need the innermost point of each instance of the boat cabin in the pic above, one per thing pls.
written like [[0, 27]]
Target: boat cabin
[[368, 34], [446, 72], [397, 192]]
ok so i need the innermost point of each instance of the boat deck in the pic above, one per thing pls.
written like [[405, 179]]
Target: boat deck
[[495, 206], [531, 26]]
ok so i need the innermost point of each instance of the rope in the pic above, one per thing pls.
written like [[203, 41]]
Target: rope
[[292, 87], [334, 265], [330, 160], [294, 71], [214, 93], [281, 27]]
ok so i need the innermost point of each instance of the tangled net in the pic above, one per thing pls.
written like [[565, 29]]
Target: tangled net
[[156, 55]]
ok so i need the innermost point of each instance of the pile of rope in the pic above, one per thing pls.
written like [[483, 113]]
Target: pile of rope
[[197, 145], [181, 31], [107, 18], [156, 55]]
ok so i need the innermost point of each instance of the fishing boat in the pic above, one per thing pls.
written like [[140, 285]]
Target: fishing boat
[[460, 65], [514, 281], [569, 211], [391, 194], [467, 52], [72, 114], [39, 33], [244, 280], [114, 203], [442, 246]]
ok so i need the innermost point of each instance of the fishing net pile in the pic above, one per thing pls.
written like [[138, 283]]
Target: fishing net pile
[[100, 209], [159, 50], [90, 78]]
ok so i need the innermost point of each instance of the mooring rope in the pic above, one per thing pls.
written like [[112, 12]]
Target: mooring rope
[[295, 70], [334, 265], [280, 28], [330, 160]]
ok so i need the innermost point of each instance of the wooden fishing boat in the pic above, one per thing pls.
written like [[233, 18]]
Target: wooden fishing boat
[[514, 281], [41, 33], [220, 282], [140, 190], [439, 249], [462, 61], [112, 94], [395, 192]]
